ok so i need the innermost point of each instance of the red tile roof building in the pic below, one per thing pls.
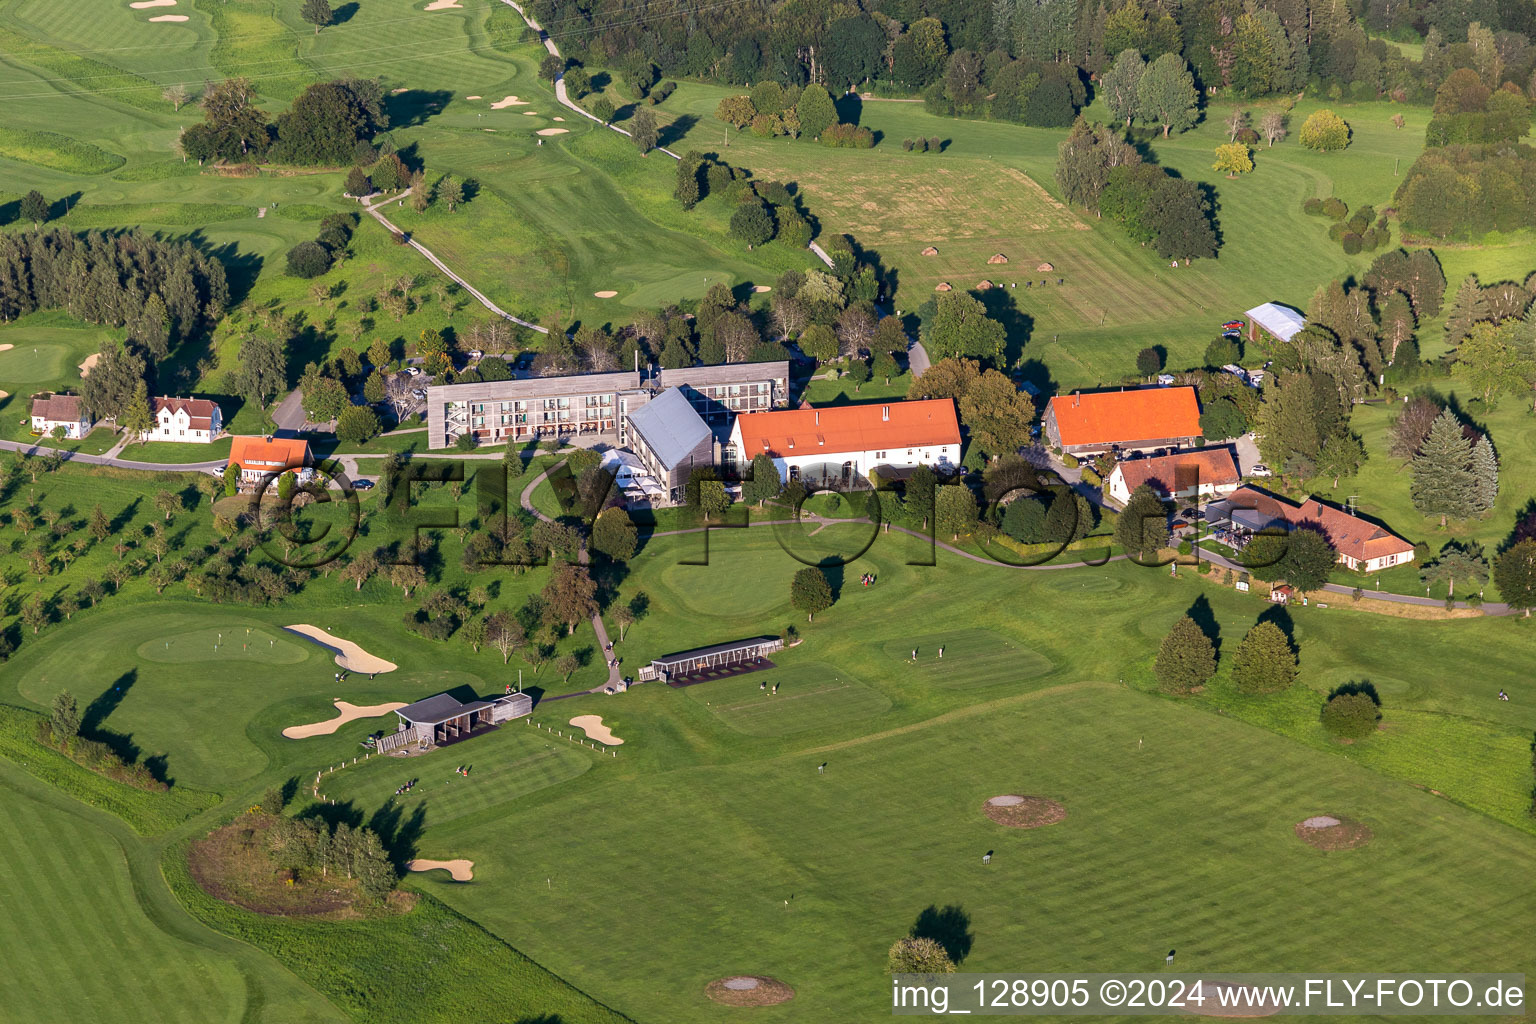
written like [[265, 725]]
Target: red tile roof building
[[853, 439], [1139, 418], [67, 411], [1203, 473], [258, 456], [1361, 544]]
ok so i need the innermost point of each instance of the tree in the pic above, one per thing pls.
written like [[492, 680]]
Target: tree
[[602, 109], [1166, 95], [919, 955], [1468, 308], [505, 633], [1325, 131], [1443, 482], [552, 67], [308, 259], [64, 717], [1236, 121], [614, 534], [168, 503], [955, 510], [34, 208], [1485, 474], [752, 223], [449, 190], [1351, 714], [764, 482], [570, 595], [960, 326], [1149, 361], [1412, 426], [1272, 126], [357, 424], [1186, 659], [1455, 562], [810, 592], [1120, 84], [1085, 158], [642, 129], [136, 419], [317, 13], [815, 111], [736, 110], [819, 342], [996, 414], [712, 498], [577, 83], [261, 374], [1024, 520], [1265, 661], [176, 95], [1309, 560], [1142, 529], [1234, 158]]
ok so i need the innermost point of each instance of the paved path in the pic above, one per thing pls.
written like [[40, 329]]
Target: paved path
[[289, 413], [1487, 607], [32, 448], [582, 558], [372, 210]]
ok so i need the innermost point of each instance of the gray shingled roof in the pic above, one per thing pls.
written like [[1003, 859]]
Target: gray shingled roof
[[670, 426]]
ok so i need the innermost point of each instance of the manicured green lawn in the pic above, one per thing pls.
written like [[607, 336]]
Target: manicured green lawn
[[966, 658], [807, 697]]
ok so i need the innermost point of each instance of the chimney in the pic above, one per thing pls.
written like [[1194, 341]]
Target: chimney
[[818, 417], [885, 413], [1077, 399]]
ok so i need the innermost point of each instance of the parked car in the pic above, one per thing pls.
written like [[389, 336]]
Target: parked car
[[419, 393], [362, 485], [1259, 469], [475, 353], [413, 371]]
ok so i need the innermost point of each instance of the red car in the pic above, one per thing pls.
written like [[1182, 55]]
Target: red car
[[1232, 325]]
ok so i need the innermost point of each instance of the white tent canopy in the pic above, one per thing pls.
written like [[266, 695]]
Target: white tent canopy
[[1281, 321]]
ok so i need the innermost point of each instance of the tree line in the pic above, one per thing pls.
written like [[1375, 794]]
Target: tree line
[[329, 124]]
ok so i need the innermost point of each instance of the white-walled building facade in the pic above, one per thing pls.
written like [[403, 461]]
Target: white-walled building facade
[[837, 444]]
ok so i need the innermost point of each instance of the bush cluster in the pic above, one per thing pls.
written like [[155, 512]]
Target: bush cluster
[[922, 145], [311, 259]]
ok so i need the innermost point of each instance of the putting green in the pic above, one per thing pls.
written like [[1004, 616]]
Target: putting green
[[972, 658], [809, 696], [30, 363], [511, 762], [712, 594], [230, 643]]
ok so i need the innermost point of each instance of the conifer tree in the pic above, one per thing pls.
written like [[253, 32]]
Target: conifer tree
[[1265, 661], [1485, 472], [1443, 482], [137, 420], [1469, 306], [1186, 659]]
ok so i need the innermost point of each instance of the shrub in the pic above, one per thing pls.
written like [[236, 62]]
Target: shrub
[[1313, 207], [1325, 132], [1352, 243], [906, 144], [1248, 136], [1351, 714], [357, 424], [920, 145], [1186, 548], [848, 136], [935, 143], [914, 955], [1335, 207], [308, 259], [1070, 461]]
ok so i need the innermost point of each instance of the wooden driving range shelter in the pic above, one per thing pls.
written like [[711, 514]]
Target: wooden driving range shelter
[[718, 662], [443, 719]]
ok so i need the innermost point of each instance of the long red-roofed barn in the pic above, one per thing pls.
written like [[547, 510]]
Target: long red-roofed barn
[[1130, 420], [847, 441], [1361, 544]]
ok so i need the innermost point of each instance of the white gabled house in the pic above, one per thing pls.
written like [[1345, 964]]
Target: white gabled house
[[194, 420], [50, 411]]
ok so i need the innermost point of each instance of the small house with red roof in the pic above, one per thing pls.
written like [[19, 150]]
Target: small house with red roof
[[259, 457], [1130, 420], [839, 443], [51, 412], [1199, 474]]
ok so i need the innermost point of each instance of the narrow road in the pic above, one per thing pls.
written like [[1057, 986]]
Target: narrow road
[[32, 448], [372, 210]]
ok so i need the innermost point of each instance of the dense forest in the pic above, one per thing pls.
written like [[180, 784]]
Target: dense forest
[[962, 51]]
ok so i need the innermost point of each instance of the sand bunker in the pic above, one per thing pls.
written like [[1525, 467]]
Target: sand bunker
[[749, 990], [141, 4], [472, 97], [529, 113], [346, 713], [1024, 811], [6, 347], [762, 287], [593, 726], [5, 394], [441, 5], [553, 131], [348, 655], [461, 870], [510, 101], [557, 118], [605, 294], [90, 362], [1331, 832], [170, 17]]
